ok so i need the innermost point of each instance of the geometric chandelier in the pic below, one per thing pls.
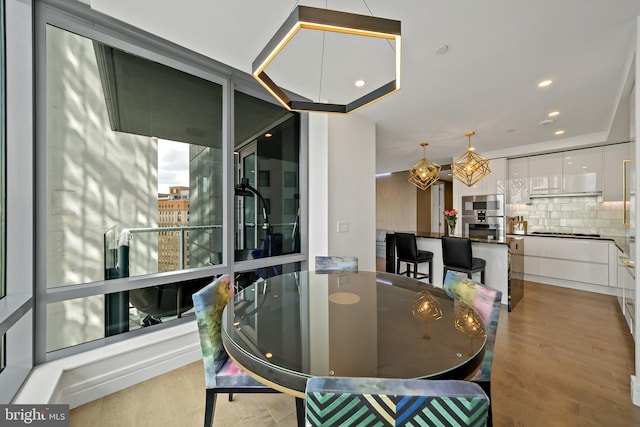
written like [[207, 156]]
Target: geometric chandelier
[[425, 172], [470, 167], [325, 21]]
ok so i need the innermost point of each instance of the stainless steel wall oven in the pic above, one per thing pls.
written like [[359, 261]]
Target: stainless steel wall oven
[[483, 216]]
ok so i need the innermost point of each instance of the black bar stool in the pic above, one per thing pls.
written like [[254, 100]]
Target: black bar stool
[[408, 252], [457, 256]]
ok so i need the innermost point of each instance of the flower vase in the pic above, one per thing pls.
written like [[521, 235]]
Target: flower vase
[[452, 227]]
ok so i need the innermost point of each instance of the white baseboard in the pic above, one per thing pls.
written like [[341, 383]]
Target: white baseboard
[[81, 378], [580, 286]]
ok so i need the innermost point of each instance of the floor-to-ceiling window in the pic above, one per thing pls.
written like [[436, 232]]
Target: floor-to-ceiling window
[[138, 185], [16, 189], [2, 181]]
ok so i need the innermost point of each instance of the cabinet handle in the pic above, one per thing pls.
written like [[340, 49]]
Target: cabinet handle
[[626, 221]]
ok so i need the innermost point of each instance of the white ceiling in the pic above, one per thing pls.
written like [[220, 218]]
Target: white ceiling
[[498, 51]]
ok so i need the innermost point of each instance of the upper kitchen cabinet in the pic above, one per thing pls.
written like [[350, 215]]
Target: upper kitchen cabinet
[[545, 172], [494, 183], [582, 171], [518, 180], [612, 177]]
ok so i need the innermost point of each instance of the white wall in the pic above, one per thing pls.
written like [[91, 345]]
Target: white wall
[[342, 187], [352, 188]]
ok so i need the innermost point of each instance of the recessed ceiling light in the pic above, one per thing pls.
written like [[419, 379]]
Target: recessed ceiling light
[[545, 122], [441, 50], [545, 83], [553, 113], [559, 132], [360, 83], [268, 135]]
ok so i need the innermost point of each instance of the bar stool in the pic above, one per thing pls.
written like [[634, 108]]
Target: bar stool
[[457, 256], [407, 251]]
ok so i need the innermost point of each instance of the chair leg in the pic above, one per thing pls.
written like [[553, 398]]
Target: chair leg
[[431, 272], [230, 397], [210, 407], [397, 267], [300, 411], [415, 270], [482, 277]]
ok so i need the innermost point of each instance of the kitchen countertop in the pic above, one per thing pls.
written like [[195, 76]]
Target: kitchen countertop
[[430, 235], [623, 243]]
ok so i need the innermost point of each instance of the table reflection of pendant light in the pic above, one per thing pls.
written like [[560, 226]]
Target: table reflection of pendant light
[[310, 18], [468, 321], [425, 172], [425, 306], [470, 167]]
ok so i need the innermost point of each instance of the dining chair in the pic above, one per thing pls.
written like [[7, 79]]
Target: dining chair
[[407, 252], [325, 264], [222, 375], [486, 301], [457, 255], [353, 401]]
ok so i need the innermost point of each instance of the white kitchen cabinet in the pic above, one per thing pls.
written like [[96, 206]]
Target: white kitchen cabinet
[[614, 155], [577, 261], [626, 281], [545, 174], [494, 183], [518, 180], [582, 171]]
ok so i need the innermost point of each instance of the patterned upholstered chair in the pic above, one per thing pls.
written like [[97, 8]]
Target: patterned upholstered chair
[[486, 301], [327, 264], [222, 375], [335, 401]]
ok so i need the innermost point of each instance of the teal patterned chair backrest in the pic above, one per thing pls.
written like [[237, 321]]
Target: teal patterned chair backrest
[[486, 301], [326, 264], [209, 302], [344, 402]]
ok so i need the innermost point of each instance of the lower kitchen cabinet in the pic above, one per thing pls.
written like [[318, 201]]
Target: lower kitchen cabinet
[[577, 263], [627, 282]]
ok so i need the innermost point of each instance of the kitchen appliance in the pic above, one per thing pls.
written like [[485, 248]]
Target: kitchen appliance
[[483, 216]]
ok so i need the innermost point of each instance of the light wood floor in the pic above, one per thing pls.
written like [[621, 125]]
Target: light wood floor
[[562, 358]]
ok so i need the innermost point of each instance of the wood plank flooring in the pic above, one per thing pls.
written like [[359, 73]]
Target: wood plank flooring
[[562, 358]]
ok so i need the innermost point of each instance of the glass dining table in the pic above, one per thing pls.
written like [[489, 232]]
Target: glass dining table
[[289, 328]]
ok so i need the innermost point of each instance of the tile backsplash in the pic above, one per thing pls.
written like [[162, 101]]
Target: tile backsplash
[[575, 214]]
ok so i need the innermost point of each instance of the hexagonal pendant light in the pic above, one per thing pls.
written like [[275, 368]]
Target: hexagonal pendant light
[[330, 21], [470, 167]]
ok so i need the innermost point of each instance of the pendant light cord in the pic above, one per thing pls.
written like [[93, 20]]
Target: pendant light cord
[[371, 13]]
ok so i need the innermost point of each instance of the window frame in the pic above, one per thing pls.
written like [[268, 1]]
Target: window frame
[[84, 22]]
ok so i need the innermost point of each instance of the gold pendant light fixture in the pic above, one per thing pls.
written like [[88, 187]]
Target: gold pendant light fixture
[[328, 21], [425, 172], [470, 167]]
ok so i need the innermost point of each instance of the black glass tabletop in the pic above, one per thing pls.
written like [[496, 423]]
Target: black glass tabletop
[[365, 324]]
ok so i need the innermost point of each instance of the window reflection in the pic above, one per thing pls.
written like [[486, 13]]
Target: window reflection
[[122, 132], [267, 150]]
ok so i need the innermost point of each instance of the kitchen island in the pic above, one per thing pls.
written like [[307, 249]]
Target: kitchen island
[[494, 251]]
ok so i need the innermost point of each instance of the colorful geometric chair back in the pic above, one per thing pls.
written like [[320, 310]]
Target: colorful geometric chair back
[[486, 301], [334, 401], [327, 264]]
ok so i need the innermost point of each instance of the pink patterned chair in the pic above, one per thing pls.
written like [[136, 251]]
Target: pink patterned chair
[[486, 301], [221, 374]]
